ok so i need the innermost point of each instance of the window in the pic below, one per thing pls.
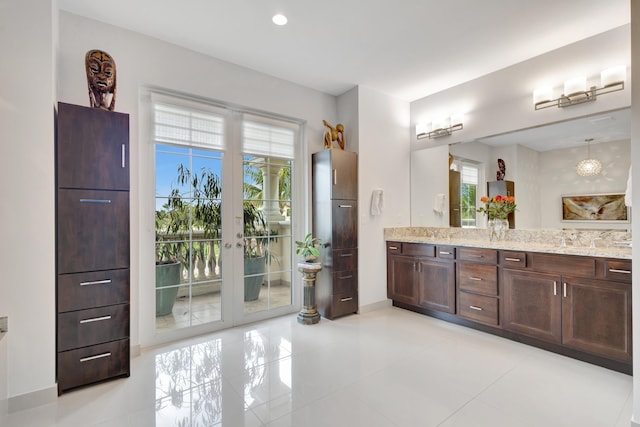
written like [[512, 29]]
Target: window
[[468, 193]]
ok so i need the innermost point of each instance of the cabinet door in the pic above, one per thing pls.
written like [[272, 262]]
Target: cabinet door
[[401, 284], [345, 224], [532, 304], [596, 317], [92, 148], [344, 175], [437, 287], [93, 230]]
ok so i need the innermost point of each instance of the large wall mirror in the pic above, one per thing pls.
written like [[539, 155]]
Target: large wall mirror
[[541, 163]]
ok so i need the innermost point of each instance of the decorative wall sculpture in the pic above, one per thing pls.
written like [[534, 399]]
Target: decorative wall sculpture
[[101, 79], [502, 170]]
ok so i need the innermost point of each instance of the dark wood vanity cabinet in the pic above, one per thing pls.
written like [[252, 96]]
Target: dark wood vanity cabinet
[[531, 304], [579, 306], [92, 246], [335, 222], [582, 303], [422, 275]]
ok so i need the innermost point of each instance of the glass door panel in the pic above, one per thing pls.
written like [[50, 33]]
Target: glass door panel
[[188, 234], [267, 233]]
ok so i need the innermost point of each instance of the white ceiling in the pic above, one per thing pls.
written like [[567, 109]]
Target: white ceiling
[[405, 48]]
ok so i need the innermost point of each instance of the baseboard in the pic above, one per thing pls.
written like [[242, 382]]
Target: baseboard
[[33, 399], [374, 306], [134, 350]]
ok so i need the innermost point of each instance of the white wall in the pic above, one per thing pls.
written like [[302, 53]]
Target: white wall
[[429, 177], [528, 193], [557, 177], [27, 211], [635, 213], [383, 157], [502, 101]]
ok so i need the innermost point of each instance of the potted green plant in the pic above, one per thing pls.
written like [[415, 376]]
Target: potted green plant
[[257, 253], [308, 248]]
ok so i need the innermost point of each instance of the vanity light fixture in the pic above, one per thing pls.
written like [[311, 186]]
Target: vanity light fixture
[[589, 166], [576, 92], [439, 128]]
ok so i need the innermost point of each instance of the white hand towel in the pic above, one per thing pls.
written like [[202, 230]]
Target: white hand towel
[[376, 202], [438, 203], [627, 193]]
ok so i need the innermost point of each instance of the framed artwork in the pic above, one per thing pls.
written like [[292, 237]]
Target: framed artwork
[[595, 207]]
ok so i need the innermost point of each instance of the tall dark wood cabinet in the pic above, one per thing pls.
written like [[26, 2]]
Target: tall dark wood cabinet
[[335, 221], [92, 246]]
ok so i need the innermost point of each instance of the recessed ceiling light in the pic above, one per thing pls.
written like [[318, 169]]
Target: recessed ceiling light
[[279, 19]]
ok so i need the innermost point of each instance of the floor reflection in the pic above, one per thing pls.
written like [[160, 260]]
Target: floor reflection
[[190, 389]]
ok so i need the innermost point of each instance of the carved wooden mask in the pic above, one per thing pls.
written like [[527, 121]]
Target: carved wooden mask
[[101, 79]]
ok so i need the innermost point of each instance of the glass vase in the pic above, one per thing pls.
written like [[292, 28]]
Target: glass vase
[[497, 229]]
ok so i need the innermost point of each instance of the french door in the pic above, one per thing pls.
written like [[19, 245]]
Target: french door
[[223, 217]]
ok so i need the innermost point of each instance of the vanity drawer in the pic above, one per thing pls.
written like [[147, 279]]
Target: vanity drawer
[[96, 289], [345, 281], [564, 264], [478, 278], [94, 326], [512, 259], [419, 249], [484, 256], [478, 308], [619, 270], [344, 303], [394, 248], [446, 252], [92, 364], [345, 259]]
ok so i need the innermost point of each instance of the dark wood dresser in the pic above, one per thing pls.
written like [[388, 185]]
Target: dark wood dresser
[[92, 246]]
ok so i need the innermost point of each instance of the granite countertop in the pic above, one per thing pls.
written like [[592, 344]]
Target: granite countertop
[[547, 241]]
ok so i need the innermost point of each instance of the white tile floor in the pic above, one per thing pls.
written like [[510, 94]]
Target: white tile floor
[[390, 367]]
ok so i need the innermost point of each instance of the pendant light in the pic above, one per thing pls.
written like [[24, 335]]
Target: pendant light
[[589, 166]]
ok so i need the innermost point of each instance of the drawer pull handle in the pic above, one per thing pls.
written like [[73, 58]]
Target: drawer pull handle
[[335, 177], [615, 270], [475, 278], [555, 288], [393, 248], [346, 299], [95, 319], [445, 253], [95, 201], [475, 307], [512, 259], [475, 256], [124, 154], [564, 289], [345, 206], [96, 282], [97, 356], [346, 277], [345, 255]]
